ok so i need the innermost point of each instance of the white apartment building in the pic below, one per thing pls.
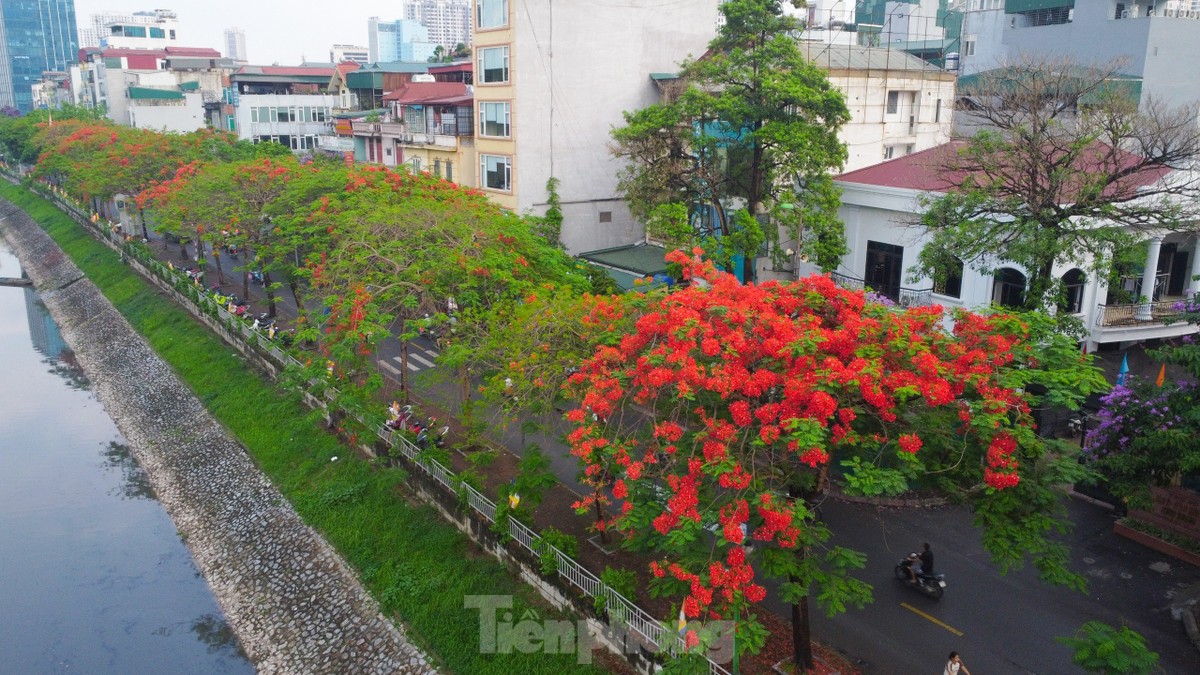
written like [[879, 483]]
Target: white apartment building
[[448, 21], [898, 103], [288, 105], [549, 87], [235, 44], [139, 30], [353, 53]]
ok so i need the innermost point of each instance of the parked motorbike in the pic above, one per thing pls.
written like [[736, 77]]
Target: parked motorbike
[[933, 585], [262, 322]]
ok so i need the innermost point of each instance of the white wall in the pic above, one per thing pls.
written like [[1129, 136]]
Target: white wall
[[247, 130], [871, 128], [566, 104], [177, 118]]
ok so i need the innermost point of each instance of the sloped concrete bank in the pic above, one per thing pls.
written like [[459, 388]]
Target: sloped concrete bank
[[295, 605]]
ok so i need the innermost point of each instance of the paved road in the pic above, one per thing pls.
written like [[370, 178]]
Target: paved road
[[1001, 624]]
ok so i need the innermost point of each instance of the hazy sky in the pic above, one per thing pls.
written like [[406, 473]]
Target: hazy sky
[[275, 30]]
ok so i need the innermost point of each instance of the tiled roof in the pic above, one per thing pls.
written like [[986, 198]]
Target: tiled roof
[[285, 71], [346, 67], [417, 93], [920, 171], [116, 52]]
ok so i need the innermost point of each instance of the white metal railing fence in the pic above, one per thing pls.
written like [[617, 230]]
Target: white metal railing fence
[[635, 619]]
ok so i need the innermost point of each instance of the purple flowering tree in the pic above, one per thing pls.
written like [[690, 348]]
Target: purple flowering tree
[[1145, 434]]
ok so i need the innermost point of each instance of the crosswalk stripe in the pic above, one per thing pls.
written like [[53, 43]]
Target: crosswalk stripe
[[428, 364], [411, 366], [389, 367], [429, 352]]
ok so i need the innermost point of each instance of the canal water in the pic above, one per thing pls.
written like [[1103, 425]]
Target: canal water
[[93, 576]]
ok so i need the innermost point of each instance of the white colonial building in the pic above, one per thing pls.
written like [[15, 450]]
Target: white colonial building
[[881, 206]]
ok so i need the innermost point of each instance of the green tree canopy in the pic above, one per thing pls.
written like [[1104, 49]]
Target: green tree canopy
[[749, 129]]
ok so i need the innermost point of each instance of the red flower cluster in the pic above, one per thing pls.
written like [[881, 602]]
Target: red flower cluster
[[755, 383]]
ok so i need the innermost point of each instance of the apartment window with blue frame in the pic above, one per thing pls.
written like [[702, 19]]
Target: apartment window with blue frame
[[495, 119], [495, 172], [491, 13]]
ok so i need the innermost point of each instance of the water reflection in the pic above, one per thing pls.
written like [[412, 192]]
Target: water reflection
[[213, 631], [91, 567], [135, 484]]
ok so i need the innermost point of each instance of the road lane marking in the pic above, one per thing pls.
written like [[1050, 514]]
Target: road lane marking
[[411, 366], [385, 364], [428, 364], [919, 613], [428, 351]]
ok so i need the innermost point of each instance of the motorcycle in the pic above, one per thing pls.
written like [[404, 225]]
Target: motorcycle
[[933, 585]]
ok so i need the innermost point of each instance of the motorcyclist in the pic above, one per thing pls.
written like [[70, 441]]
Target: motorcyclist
[[926, 560]]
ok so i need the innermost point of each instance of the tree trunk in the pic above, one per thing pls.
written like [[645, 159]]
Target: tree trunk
[[295, 289], [270, 294], [220, 270], [246, 276], [801, 635]]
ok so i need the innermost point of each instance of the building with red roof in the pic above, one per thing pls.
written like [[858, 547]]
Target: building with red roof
[[882, 207], [426, 126]]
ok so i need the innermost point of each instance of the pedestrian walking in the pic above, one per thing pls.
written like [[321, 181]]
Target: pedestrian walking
[[954, 665]]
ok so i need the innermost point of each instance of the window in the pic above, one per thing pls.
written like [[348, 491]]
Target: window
[[494, 119], [937, 111], [274, 112], [606, 216], [158, 33], [893, 102], [449, 170], [493, 65], [437, 168], [285, 115], [908, 149], [254, 114], [491, 13], [950, 284], [1008, 289], [968, 47], [1071, 301], [495, 172]]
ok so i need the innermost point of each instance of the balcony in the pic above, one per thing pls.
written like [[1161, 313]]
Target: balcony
[[903, 297], [1138, 314], [362, 128]]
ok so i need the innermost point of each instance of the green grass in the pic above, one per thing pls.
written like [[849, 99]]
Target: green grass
[[418, 566]]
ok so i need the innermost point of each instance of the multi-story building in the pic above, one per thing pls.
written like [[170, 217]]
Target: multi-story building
[[289, 105], [448, 21], [147, 30], [546, 101], [1155, 42], [235, 44], [99, 29], [428, 127], [173, 89], [898, 103], [53, 91], [341, 53], [35, 36], [399, 40], [369, 83]]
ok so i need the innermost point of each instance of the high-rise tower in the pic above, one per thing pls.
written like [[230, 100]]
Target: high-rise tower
[[35, 36]]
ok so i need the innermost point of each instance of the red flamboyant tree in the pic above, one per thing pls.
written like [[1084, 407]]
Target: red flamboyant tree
[[756, 391]]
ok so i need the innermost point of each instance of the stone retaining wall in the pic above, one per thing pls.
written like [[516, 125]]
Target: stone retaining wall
[[295, 605]]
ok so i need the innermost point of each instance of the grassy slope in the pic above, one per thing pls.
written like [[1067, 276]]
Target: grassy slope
[[418, 566]]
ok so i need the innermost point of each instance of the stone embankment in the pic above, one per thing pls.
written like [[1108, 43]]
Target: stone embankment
[[295, 605]]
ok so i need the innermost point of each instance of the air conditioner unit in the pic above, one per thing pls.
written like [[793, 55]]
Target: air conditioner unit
[[907, 301], [1125, 14]]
